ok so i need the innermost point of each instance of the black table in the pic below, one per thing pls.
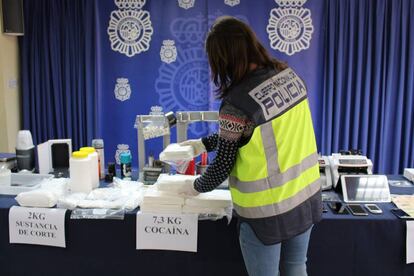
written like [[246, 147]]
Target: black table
[[340, 245], [349, 245]]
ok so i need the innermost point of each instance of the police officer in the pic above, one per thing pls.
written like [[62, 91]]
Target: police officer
[[266, 147]]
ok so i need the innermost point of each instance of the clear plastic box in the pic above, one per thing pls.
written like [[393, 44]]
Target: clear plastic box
[[23, 183], [153, 125]]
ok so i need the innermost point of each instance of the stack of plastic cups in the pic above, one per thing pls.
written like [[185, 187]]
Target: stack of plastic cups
[[80, 176], [94, 165], [25, 151]]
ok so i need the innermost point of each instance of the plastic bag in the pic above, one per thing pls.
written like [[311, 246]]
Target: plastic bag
[[178, 157], [98, 214], [37, 198], [180, 166]]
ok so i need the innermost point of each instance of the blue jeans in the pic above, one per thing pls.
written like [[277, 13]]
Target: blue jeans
[[288, 257]]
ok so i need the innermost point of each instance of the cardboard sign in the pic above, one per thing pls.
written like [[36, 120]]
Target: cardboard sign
[[40, 226], [167, 232], [410, 241]]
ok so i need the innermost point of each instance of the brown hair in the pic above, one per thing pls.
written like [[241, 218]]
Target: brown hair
[[231, 47]]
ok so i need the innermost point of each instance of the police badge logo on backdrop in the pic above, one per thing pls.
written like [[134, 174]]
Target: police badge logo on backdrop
[[290, 27], [122, 89], [186, 4], [130, 28], [231, 3], [168, 51], [120, 149]]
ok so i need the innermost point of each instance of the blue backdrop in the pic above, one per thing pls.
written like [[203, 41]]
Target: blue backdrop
[[136, 54], [184, 83]]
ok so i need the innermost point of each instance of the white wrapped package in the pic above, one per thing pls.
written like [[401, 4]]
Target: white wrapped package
[[109, 194], [37, 198], [175, 152], [47, 196], [127, 185], [70, 201], [153, 196], [57, 186], [160, 208], [213, 199], [134, 200], [107, 198], [173, 183], [128, 203]]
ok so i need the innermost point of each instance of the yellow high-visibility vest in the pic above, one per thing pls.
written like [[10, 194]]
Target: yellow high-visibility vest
[[277, 169]]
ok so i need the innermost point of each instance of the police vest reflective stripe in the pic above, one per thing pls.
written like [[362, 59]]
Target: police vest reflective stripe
[[278, 168]]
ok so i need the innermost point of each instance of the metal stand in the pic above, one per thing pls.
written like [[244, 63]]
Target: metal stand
[[184, 118], [160, 123], [141, 122]]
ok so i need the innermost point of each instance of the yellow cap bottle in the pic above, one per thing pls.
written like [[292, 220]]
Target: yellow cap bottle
[[79, 154], [95, 168], [80, 176]]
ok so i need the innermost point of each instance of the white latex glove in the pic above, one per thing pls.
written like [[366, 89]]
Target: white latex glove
[[196, 144], [188, 188]]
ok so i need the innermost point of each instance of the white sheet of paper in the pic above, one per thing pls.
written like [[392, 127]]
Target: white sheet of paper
[[167, 232], [40, 226], [410, 241]]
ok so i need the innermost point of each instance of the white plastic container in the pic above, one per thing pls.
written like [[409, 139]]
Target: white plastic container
[[80, 176], [94, 165]]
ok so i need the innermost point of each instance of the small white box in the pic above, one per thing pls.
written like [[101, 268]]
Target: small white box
[[409, 174], [45, 154]]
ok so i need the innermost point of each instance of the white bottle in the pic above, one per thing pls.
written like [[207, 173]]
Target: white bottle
[[98, 144], [80, 176], [94, 167]]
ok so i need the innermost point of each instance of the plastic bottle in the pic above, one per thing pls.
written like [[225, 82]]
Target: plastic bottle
[[80, 176], [111, 172], [201, 166], [151, 160], [94, 165], [98, 144], [125, 159], [204, 159]]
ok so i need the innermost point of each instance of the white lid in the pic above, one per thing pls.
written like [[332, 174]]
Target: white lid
[[24, 140], [98, 143]]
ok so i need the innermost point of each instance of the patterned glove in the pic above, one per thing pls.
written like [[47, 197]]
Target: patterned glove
[[188, 188]]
